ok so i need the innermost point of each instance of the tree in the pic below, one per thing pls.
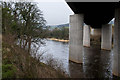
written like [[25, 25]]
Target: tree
[[25, 20], [7, 17], [33, 21], [0, 18]]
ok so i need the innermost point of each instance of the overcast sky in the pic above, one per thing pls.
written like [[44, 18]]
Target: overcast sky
[[55, 12]]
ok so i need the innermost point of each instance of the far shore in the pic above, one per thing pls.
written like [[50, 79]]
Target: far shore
[[60, 40]]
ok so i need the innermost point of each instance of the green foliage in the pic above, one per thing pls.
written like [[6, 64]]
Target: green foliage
[[8, 71], [7, 17]]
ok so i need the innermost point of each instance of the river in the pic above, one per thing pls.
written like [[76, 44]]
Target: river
[[96, 63]]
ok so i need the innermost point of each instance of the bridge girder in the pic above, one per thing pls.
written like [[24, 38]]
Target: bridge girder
[[95, 13]]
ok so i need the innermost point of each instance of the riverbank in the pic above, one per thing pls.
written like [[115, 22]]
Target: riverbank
[[17, 63], [60, 40]]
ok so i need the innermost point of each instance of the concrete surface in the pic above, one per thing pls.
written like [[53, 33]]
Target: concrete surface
[[76, 38], [86, 36], [116, 48], [106, 37]]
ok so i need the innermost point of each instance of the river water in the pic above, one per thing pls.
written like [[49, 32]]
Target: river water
[[96, 63]]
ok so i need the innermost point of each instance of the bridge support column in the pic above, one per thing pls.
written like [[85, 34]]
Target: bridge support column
[[116, 49], [76, 38], [106, 37], [86, 36]]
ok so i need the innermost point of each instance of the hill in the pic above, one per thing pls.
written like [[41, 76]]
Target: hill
[[51, 27]]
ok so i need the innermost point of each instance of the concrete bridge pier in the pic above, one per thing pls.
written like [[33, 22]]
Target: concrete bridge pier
[[76, 38], [116, 49], [106, 37], [86, 36]]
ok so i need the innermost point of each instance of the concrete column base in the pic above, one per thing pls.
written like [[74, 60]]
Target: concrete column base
[[86, 36], [106, 37], [76, 38]]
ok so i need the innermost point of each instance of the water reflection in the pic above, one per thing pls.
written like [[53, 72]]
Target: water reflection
[[96, 63], [76, 70], [59, 51]]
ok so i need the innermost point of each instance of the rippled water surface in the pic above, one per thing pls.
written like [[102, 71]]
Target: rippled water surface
[[96, 62]]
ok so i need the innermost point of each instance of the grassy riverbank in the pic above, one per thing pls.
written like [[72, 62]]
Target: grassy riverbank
[[17, 63], [94, 40]]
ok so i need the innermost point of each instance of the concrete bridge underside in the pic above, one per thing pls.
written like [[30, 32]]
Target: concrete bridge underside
[[96, 15]]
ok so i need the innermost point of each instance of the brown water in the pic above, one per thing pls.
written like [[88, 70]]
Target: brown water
[[96, 63]]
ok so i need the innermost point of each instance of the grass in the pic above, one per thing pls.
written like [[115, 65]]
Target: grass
[[8, 71]]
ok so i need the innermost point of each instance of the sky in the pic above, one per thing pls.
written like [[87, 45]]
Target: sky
[[55, 12]]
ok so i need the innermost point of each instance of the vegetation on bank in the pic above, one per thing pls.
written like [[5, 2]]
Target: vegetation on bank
[[22, 26], [25, 21], [18, 63], [58, 33]]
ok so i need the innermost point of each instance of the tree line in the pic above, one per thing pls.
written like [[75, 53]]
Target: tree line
[[25, 21], [59, 33]]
